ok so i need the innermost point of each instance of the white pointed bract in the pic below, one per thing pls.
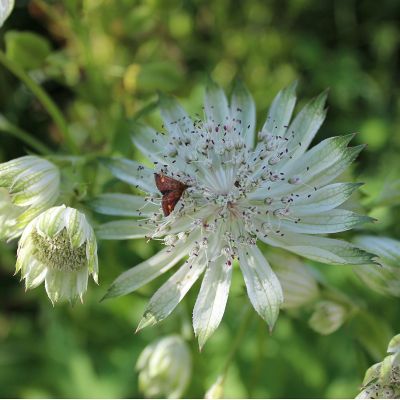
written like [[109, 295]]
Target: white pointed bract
[[6, 6], [386, 278], [164, 368], [28, 186], [58, 247], [382, 380], [238, 192]]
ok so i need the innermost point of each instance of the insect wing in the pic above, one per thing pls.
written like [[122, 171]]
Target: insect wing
[[166, 184], [169, 201]]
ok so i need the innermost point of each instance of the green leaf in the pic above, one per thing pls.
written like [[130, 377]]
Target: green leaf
[[28, 49]]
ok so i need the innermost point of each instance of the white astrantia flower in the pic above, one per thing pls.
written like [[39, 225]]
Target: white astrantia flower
[[6, 6], [386, 278], [233, 192], [165, 368], [28, 186], [58, 247]]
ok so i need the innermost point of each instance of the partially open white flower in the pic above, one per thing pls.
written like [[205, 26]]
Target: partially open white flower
[[6, 6], [28, 186], [164, 368], [222, 192], [58, 247]]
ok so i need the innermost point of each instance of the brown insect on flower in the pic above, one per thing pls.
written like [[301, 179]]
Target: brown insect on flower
[[172, 191]]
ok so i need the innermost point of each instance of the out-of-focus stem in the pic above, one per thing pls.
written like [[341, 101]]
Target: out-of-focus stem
[[7, 127], [247, 316], [43, 97]]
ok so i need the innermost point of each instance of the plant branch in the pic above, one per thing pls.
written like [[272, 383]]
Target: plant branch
[[7, 127], [247, 316], [43, 97]]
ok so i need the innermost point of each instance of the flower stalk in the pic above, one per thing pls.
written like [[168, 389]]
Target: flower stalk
[[44, 99]]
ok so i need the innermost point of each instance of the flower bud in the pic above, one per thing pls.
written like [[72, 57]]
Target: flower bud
[[58, 247], [216, 391], [28, 186], [164, 368], [327, 317]]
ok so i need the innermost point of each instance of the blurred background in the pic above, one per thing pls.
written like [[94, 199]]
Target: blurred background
[[103, 62]]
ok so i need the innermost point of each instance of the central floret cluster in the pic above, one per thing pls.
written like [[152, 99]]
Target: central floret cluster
[[221, 192]]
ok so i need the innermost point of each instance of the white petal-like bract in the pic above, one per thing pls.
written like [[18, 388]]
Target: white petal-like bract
[[59, 248]]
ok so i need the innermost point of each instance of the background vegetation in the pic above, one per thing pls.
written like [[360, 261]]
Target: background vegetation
[[103, 62]]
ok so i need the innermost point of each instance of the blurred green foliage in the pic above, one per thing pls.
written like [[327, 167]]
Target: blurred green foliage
[[103, 62]]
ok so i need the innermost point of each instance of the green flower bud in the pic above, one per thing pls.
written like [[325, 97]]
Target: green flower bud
[[164, 368], [28, 186], [327, 317], [58, 247]]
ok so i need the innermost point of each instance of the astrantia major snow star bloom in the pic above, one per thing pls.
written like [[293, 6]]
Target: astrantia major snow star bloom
[[232, 192], [28, 186], [58, 247]]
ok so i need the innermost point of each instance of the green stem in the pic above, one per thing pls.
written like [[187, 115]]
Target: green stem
[[43, 97], [7, 127], [247, 316]]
